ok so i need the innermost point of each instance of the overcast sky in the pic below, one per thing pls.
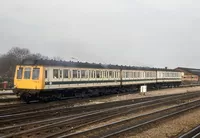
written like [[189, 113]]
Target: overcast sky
[[154, 33]]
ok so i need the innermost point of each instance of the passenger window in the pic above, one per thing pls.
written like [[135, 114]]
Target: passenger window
[[127, 74], [103, 74], [65, 74], [19, 73], [107, 74], [55, 73], [36, 73], [134, 74], [90, 73], [94, 74], [86, 74], [46, 75], [98, 74], [27, 73], [60, 73], [110, 74], [79, 74], [123, 74], [75, 72], [83, 73]]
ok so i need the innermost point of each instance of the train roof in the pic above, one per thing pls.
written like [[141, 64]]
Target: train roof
[[45, 62]]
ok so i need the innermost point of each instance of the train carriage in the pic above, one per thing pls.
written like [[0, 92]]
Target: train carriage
[[41, 79]]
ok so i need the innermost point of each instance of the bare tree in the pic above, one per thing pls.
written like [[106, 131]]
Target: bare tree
[[57, 58], [13, 57], [19, 53]]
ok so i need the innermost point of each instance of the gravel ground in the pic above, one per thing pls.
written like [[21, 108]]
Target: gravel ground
[[6, 91], [173, 127], [2, 97]]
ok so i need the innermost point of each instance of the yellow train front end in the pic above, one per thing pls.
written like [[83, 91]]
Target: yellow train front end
[[28, 81]]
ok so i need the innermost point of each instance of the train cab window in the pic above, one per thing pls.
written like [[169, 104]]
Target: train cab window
[[46, 74], [36, 73], [19, 73], [27, 73], [55, 73], [65, 73]]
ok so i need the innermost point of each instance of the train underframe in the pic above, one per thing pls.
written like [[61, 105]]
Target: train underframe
[[59, 94]]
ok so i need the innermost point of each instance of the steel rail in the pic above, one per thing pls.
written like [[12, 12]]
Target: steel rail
[[194, 133], [41, 114], [113, 113], [118, 128]]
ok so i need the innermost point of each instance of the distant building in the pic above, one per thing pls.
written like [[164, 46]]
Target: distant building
[[191, 75]]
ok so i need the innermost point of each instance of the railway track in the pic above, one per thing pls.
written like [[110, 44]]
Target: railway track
[[22, 107], [15, 99], [194, 133], [7, 100], [6, 94], [125, 127], [7, 118], [68, 123], [8, 97]]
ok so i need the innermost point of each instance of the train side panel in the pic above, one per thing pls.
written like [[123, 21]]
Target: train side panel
[[63, 77]]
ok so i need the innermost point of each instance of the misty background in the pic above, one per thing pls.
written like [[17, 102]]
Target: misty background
[[156, 33]]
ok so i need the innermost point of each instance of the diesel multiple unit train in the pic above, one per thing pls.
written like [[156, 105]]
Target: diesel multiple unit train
[[50, 79]]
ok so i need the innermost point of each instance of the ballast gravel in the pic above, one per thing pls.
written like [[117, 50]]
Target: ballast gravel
[[173, 127]]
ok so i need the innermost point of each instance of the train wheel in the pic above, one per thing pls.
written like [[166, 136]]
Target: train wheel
[[26, 97]]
